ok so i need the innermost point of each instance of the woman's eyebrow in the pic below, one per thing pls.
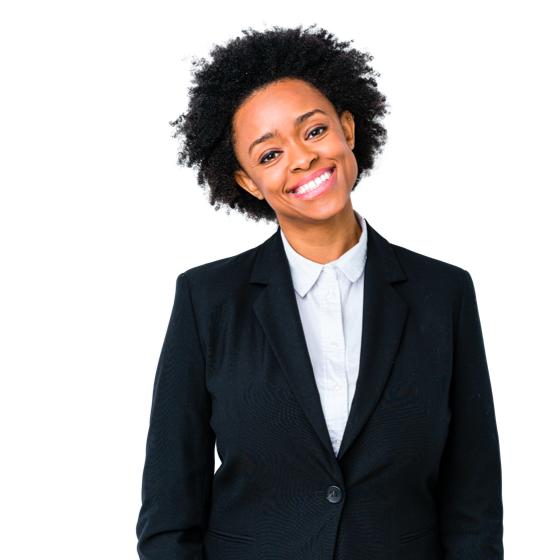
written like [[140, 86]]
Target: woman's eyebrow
[[297, 122]]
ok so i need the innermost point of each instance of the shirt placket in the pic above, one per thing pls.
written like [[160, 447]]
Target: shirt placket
[[334, 354]]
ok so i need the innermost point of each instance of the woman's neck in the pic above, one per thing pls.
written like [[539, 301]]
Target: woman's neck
[[325, 242]]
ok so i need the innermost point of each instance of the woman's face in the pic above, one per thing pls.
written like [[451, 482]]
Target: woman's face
[[289, 139]]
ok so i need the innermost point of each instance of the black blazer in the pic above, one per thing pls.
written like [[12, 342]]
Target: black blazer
[[418, 473]]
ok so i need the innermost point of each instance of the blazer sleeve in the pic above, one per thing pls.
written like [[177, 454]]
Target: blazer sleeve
[[179, 465], [469, 491]]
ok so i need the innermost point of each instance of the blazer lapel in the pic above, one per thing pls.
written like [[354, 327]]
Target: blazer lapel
[[384, 316]]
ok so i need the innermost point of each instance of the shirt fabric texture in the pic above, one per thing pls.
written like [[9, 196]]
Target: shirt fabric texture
[[330, 300]]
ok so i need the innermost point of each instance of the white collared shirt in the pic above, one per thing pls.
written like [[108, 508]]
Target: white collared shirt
[[330, 299]]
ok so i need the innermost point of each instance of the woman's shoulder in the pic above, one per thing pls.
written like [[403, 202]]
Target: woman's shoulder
[[222, 278], [400, 263]]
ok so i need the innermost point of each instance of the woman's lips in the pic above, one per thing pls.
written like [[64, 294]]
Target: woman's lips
[[317, 191], [311, 177]]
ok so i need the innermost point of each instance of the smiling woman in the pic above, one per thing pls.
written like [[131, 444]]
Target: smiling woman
[[302, 165], [231, 70], [342, 379]]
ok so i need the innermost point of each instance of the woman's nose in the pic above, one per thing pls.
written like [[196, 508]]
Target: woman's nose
[[301, 157]]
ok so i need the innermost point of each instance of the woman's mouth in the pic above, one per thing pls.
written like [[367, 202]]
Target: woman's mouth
[[316, 186]]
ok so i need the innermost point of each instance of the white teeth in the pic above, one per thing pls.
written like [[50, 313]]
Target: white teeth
[[313, 184]]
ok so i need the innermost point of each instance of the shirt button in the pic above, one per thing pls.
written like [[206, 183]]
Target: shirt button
[[333, 345], [329, 294], [327, 270], [336, 386]]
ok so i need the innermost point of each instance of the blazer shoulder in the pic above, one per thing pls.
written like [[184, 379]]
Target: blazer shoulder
[[221, 277], [431, 273]]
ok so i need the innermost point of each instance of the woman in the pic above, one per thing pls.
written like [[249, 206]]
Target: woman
[[343, 378]]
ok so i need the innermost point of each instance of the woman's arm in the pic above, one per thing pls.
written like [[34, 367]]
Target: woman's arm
[[179, 465], [469, 484]]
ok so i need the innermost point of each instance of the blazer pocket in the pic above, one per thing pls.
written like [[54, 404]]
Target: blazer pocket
[[421, 533], [219, 545], [230, 537]]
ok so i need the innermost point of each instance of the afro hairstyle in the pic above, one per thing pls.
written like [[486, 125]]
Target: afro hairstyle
[[249, 63]]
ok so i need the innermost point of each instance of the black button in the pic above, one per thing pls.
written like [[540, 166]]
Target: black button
[[334, 494]]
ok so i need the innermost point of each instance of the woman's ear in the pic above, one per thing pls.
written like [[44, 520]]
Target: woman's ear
[[245, 182], [348, 126]]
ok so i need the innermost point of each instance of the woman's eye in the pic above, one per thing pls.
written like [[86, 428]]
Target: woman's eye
[[268, 157], [317, 131]]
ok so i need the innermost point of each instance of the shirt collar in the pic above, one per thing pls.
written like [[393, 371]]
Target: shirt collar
[[305, 272]]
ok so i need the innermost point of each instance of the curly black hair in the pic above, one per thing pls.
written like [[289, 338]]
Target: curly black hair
[[246, 64]]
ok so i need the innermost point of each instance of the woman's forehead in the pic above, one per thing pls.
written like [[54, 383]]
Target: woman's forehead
[[279, 105]]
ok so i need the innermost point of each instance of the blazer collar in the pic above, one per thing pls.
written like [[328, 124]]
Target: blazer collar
[[384, 317]]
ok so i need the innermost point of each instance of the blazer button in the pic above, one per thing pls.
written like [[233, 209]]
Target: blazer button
[[334, 494]]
